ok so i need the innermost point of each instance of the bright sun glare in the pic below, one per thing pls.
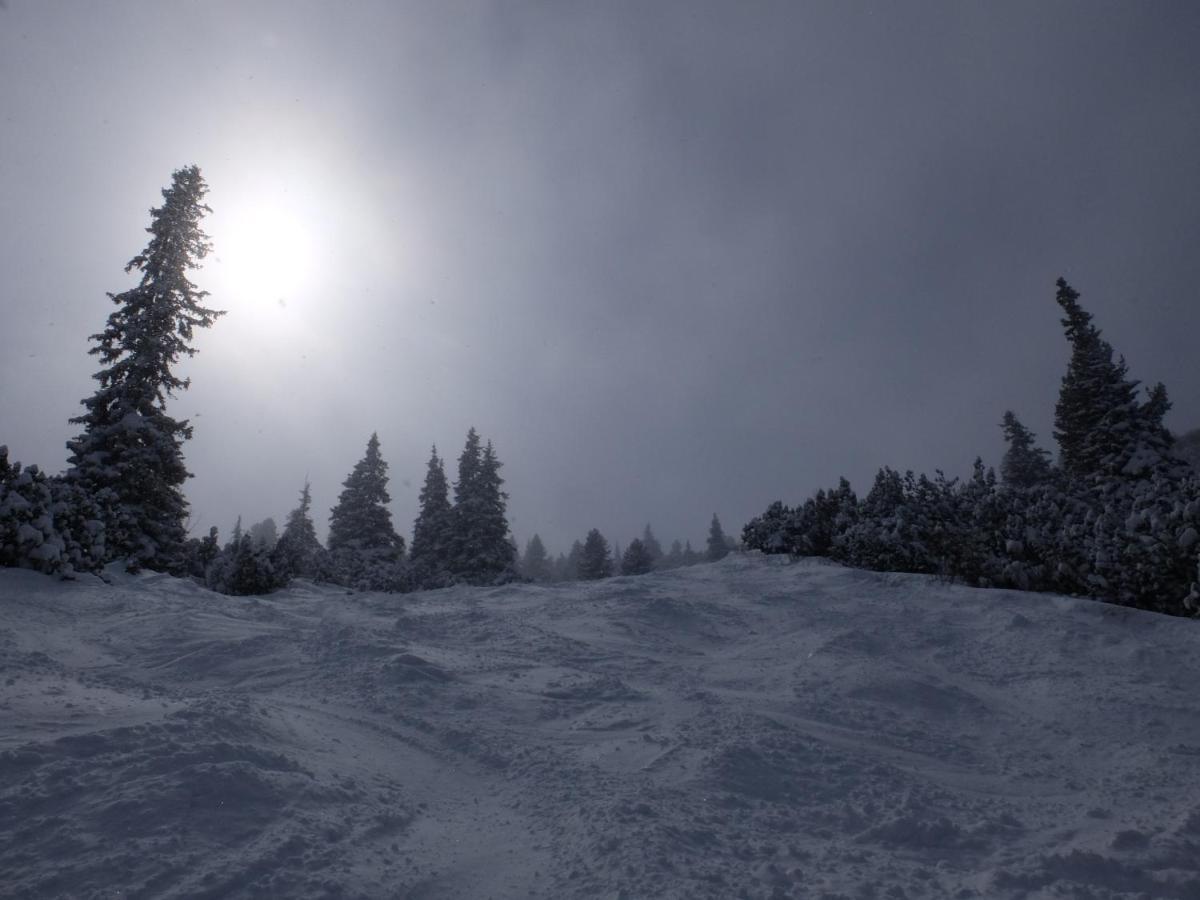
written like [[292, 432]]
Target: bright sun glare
[[265, 256]]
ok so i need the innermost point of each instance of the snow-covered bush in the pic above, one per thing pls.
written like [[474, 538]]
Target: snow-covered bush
[[47, 524]]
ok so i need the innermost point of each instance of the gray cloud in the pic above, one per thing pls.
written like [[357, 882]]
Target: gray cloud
[[672, 258]]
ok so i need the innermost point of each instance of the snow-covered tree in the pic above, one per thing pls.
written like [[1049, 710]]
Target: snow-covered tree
[[433, 537], [652, 545], [718, 547], [534, 564], [265, 533], [1025, 464], [298, 552], [361, 537], [129, 456], [636, 560], [47, 524], [482, 551], [1103, 429], [595, 562]]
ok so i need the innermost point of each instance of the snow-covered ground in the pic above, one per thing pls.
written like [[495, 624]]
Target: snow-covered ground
[[747, 729]]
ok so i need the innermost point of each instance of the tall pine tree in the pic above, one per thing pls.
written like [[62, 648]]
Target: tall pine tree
[[718, 547], [535, 566], [298, 552], [361, 522], [431, 550], [129, 456], [595, 562], [483, 553], [1103, 430]]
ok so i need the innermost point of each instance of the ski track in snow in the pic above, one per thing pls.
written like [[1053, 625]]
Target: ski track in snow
[[753, 728]]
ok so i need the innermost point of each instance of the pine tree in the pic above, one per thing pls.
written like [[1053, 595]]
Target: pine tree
[[265, 534], [718, 547], [361, 523], [595, 562], [129, 455], [570, 568], [1102, 429], [433, 529], [534, 564], [1024, 465], [482, 552], [298, 552], [652, 545], [636, 560]]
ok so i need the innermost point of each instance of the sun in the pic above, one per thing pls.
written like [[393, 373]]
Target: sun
[[264, 255]]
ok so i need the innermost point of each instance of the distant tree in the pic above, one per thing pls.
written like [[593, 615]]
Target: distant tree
[[265, 534], [1103, 430], [636, 560], [298, 552], [210, 546], [361, 538], [568, 570], [130, 454], [534, 564], [674, 557], [433, 530], [595, 562], [718, 547], [652, 545], [1024, 465], [690, 557]]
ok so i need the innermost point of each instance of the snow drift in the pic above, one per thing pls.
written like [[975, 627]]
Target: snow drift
[[751, 728]]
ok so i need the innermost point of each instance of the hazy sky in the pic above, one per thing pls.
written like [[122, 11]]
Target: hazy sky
[[672, 258]]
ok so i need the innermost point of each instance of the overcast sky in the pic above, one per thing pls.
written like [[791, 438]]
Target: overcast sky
[[672, 258]]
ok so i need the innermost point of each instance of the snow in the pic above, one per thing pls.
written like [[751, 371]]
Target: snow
[[749, 728]]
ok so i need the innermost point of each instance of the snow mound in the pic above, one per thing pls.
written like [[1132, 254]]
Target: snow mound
[[752, 728]]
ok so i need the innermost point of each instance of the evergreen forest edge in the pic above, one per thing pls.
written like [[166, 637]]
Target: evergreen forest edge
[[1116, 517]]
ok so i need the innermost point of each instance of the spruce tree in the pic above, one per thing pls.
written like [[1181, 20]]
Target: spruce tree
[[1101, 427], [652, 545], [594, 561], [433, 529], [129, 456], [298, 551], [1024, 465], [361, 522], [637, 559], [482, 552], [535, 566], [718, 547]]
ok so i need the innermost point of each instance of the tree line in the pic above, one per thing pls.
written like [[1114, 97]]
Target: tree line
[[1115, 517], [593, 558], [121, 497]]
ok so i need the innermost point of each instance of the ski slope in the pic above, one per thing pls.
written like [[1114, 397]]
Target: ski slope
[[753, 728]]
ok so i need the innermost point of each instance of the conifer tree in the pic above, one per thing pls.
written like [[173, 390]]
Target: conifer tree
[[433, 529], [1024, 465], [1102, 428], [718, 547], [570, 568], [534, 564], [652, 545], [129, 456], [361, 522], [298, 551], [636, 560], [482, 552], [595, 562]]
